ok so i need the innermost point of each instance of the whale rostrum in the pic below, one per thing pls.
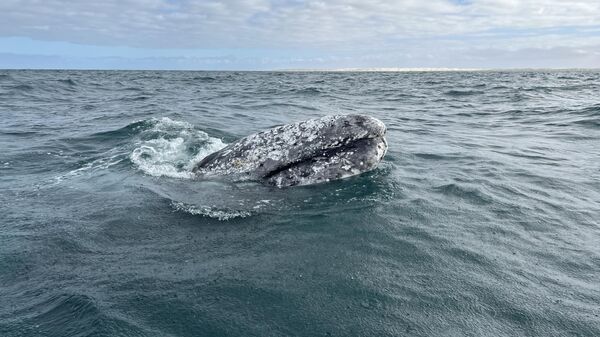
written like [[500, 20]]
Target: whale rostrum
[[303, 153]]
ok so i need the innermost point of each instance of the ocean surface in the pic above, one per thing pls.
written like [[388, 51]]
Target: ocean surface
[[482, 220]]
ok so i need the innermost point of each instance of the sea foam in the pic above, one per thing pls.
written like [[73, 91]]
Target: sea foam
[[171, 148]]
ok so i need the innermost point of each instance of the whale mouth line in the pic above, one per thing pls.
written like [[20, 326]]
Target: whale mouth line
[[325, 154], [352, 158]]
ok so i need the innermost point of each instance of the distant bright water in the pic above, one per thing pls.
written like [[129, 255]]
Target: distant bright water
[[483, 219]]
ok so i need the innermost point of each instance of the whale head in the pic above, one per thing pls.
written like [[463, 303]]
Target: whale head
[[303, 153]]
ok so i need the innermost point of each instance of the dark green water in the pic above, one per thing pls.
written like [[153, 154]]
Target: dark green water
[[483, 219]]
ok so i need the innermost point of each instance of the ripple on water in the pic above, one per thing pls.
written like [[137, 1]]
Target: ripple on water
[[69, 314], [459, 93], [482, 219]]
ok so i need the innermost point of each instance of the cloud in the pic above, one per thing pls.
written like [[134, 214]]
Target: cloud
[[347, 28], [261, 23]]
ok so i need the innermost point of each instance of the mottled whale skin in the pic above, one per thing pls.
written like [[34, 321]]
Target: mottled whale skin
[[303, 153]]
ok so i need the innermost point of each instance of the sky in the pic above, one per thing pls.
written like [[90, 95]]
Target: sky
[[299, 34]]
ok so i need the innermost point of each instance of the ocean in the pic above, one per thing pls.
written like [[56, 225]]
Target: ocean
[[482, 220]]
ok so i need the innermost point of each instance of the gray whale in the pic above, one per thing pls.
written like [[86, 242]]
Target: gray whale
[[303, 153]]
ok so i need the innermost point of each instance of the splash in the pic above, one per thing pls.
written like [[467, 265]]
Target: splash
[[171, 148]]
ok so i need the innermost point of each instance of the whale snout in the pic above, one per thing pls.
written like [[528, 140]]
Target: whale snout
[[348, 145]]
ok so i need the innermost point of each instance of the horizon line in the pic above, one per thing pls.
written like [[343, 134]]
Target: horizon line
[[358, 69]]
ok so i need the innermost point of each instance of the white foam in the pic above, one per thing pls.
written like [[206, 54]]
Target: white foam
[[102, 163], [172, 148], [210, 212]]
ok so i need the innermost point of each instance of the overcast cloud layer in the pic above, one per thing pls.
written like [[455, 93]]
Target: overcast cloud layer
[[261, 34]]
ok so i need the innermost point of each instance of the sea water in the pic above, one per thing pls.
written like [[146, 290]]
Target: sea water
[[482, 220]]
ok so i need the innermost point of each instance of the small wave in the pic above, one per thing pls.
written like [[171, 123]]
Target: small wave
[[463, 92], [211, 212], [574, 87], [593, 110], [281, 105], [132, 88], [307, 91], [23, 87], [473, 195], [431, 82], [171, 148], [204, 78], [139, 98], [68, 81], [565, 77], [124, 132], [588, 122], [102, 163], [20, 133], [61, 308], [586, 117], [65, 314], [434, 156]]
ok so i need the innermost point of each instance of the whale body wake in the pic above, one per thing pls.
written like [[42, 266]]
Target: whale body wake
[[303, 153]]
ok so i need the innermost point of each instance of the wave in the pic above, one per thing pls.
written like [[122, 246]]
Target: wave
[[210, 212], [471, 194], [204, 78], [44, 90], [65, 312], [171, 148], [592, 111], [68, 314], [130, 88], [116, 137], [588, 122], [68, 81], [280, 105], [23, 87], [463, 92], [137, 98], [307, 91], [588, 117], [102, 162], [435, 156]]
